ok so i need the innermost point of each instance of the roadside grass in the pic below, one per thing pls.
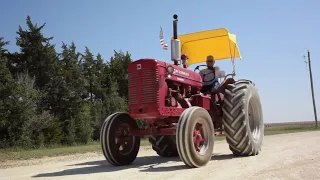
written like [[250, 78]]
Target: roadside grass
[[21, 154], [289, 129]]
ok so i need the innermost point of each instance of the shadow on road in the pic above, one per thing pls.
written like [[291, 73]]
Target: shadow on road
[[143, 164], [154, 168]]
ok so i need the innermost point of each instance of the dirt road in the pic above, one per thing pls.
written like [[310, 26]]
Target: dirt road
[[288, 156]]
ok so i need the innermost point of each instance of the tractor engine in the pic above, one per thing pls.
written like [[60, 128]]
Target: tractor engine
[[158, 89]]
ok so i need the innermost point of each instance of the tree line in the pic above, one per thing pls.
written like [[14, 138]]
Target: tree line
[[49, 98]]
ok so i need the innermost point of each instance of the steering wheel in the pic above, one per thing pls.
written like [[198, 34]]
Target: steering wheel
[[225, 77], [197, 68]]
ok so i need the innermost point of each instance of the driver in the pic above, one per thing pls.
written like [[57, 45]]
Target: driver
[[208, 75]]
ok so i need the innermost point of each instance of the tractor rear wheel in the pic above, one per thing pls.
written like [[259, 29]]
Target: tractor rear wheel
[[243, 118], [119, 147], [165, 146], [195, 137]]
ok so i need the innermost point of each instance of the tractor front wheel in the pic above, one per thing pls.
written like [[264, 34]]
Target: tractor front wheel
[[195, 137], [243, 118], [119, 147]]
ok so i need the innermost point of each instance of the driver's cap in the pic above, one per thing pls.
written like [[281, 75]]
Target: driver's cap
[[210, 58]]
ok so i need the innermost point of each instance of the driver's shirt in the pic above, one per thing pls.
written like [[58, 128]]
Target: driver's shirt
[[208, 76]]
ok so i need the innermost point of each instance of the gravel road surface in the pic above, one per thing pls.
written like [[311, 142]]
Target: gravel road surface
[[286, 156]]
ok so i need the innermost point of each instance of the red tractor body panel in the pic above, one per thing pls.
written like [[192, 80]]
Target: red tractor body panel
[[201, 101], [148, 88]]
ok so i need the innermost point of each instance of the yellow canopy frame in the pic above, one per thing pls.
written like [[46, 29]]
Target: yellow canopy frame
[[217, 42]]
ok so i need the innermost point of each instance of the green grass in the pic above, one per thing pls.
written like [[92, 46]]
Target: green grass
[[292, 129], [20, 154]]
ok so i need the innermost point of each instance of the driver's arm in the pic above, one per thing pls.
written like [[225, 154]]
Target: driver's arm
[[219, 73]]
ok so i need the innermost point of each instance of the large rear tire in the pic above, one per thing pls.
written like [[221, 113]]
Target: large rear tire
[[165, 146], [243, 118], [119, 147], [195, 137]]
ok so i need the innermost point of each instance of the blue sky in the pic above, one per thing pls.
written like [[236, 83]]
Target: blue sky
[[272, 36]]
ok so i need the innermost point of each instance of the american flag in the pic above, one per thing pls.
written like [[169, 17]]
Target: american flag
[[163, 44]]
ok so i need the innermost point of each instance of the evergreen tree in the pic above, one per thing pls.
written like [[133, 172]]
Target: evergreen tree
[[18, 101], [89, 69], [38, 56], [46, 98], [100, 76], [84, 127], [6, 82], [118, 69], [66, 91]]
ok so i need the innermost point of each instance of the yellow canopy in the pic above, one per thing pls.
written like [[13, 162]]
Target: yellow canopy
[[217, 42]]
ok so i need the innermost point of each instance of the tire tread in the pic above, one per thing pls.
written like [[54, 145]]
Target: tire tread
[[234, 119]]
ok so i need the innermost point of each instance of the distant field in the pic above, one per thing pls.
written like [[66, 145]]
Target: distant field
[[271, 129], [290, 124]]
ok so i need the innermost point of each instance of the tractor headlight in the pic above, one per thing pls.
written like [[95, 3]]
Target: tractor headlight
[[170, 70]]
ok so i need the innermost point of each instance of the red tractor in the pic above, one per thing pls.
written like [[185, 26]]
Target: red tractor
[[181, 118]]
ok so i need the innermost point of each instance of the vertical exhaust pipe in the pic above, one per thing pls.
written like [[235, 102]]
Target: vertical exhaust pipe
[[175, 26], [175, 42]]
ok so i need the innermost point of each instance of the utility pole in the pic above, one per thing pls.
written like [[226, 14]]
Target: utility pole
[[312, 91]]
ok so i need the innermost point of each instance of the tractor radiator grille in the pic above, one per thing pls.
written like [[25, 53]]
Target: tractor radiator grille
[[150, 86], [133, 87], [143, 85]]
